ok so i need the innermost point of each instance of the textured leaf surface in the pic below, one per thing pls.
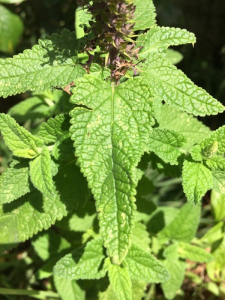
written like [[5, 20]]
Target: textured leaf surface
[[184, 225], [173, 119], [120, 281], [41, 212], [217, 136], [49, 64], [145, 16], [40, 172], [21, 142], [158, 39], [143, 265], [14, 183], [194, 253], [109, 142], [85, 262], [197, 180], [11, 28], [173, 86], [166, 144], [68, 289], [216, 163], [56, 133], [176, 270]]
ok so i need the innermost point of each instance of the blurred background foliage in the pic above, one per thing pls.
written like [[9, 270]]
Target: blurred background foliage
[[29, 266]]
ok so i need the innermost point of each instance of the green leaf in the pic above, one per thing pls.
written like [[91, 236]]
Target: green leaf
[[40, 172], [31, 108], [109, 142], [82, 19], [216, 142], [174, 57], [49, 64], [68, 289], [85, 262], [145, 16], [14, 182], [120, 281], [166, 144], [216, 269], [158, 39], [140, 236], [173, 119], [21, 142], [196, 153], [49, 244], [218, 205], [216, 163], [80, 221], [194, 253], [56, 133], [143, 265], [219, 181], [173, 86], [176, 270], [171, 252], [197, 180], [184, 225], [31, 213], [11, 29]]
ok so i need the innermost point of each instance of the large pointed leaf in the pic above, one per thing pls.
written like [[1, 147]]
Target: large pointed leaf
[[51, 63], [173, 86], [110, 138]]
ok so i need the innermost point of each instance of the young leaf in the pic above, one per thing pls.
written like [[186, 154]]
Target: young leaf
[[40, 172], [21, 142], [41, 212], [184, 225], [218, 207], [109, 142], [145, 16], [174, 57], [176, 270], [194, 253], [86, 262], [14, 182], [158, 39], [216, 140], [173, 119], [166, 143], [143, 265], [173, 86], [197, 180], [49, 64], [68, 289]]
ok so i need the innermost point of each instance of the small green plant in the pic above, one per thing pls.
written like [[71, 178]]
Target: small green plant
[[129, 108]]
